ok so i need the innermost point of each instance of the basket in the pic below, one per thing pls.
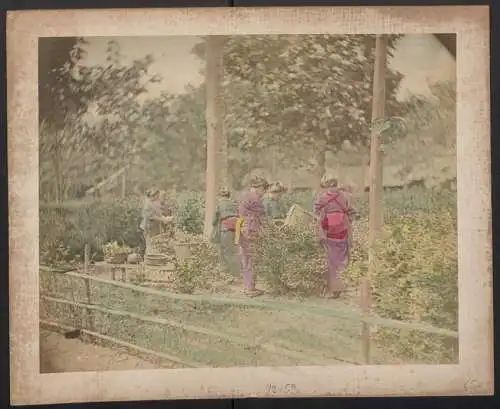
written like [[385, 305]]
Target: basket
[[156, 259], [118, 258]]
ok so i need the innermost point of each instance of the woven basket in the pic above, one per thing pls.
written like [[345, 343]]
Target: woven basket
[[119, 258], [157, 259]]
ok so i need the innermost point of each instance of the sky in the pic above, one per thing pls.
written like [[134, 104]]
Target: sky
[[420, 58]]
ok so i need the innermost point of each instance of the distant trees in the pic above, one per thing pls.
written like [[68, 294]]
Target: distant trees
[[297, 96], [68, 90]]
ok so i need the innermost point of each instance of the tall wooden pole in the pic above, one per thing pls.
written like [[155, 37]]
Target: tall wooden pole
[[124, 184], [376, 156], [376, 180], [216, 174]]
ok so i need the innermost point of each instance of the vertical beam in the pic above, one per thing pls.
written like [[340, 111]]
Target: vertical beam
[[124, 184], [365, 326], [216, 172], [376, 157]]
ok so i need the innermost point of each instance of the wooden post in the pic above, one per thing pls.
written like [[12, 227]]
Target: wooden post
[[86, 256], [376, 183], [376, 157], [124, 184], [216, 173], [365, 326], [89, 321]]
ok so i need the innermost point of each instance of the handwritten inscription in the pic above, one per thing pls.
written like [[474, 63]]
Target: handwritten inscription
[[281, 388]]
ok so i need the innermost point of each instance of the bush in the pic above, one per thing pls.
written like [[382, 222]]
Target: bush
[[291, 261], [94, 224], [416, 280], [416, 276], [190, 214], [198, 271]]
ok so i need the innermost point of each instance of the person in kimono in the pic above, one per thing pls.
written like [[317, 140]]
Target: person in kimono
[[251, 215], [223, 229], [333, 209], [152, 219], [275, 210]]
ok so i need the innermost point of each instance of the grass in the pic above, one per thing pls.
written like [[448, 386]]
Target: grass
[[323, 338]]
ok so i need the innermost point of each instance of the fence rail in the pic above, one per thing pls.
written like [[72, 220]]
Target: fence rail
[[366, 319]]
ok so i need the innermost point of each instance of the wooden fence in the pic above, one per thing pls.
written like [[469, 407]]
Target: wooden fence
[[89, 307]]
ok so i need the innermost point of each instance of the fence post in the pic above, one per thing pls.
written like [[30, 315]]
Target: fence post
[[89, 323], [365, 325], [124, 184]]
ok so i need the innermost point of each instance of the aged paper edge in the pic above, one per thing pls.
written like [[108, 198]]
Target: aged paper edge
[[474, 374]]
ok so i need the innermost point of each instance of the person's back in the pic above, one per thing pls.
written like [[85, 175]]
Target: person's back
[[251, 210], [274, 208], [332, 206], [227, 208]]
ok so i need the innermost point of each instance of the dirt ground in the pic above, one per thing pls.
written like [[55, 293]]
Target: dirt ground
[[58, 354]]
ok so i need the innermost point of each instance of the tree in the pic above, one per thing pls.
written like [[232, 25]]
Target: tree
[[175, 152], [216, 175], [302, 91], [431, 120], [310, 90], [68, 90], [61, 94]]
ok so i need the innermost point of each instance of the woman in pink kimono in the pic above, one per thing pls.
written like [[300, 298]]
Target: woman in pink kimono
[[333, 209], [251, 214]]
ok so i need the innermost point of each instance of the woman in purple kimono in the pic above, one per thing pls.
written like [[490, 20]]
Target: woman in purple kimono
[[251, 214], [333, 209]]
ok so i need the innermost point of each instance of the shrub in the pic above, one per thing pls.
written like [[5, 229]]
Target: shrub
[[199, 271], [189, 216], [415, 279], [418, 281], [291, 261], [94, 224]]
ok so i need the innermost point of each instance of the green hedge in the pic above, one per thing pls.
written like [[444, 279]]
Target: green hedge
[[416, 277], [65, 231]]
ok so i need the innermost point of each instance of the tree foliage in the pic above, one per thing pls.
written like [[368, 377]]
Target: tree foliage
[[89, 115], [432, 119], [61, 94], [299, 92], [312, 89]]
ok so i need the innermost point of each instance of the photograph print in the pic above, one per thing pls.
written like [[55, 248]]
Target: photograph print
[[249, 203], [245, 200]]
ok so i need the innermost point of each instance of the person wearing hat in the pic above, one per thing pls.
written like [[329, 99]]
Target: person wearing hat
[[152, 218], [251, 214], [223, 228], [275, 210]]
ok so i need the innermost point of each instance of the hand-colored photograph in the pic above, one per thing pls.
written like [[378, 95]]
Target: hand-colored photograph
[[247, 200]]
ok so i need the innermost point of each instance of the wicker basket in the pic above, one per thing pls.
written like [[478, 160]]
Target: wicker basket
[[157, 259], [119, 258]]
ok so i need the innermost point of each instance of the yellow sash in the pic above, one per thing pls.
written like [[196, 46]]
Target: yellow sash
[[237, 230]]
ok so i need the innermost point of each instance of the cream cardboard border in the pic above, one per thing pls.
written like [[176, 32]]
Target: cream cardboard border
[[474, 374]]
